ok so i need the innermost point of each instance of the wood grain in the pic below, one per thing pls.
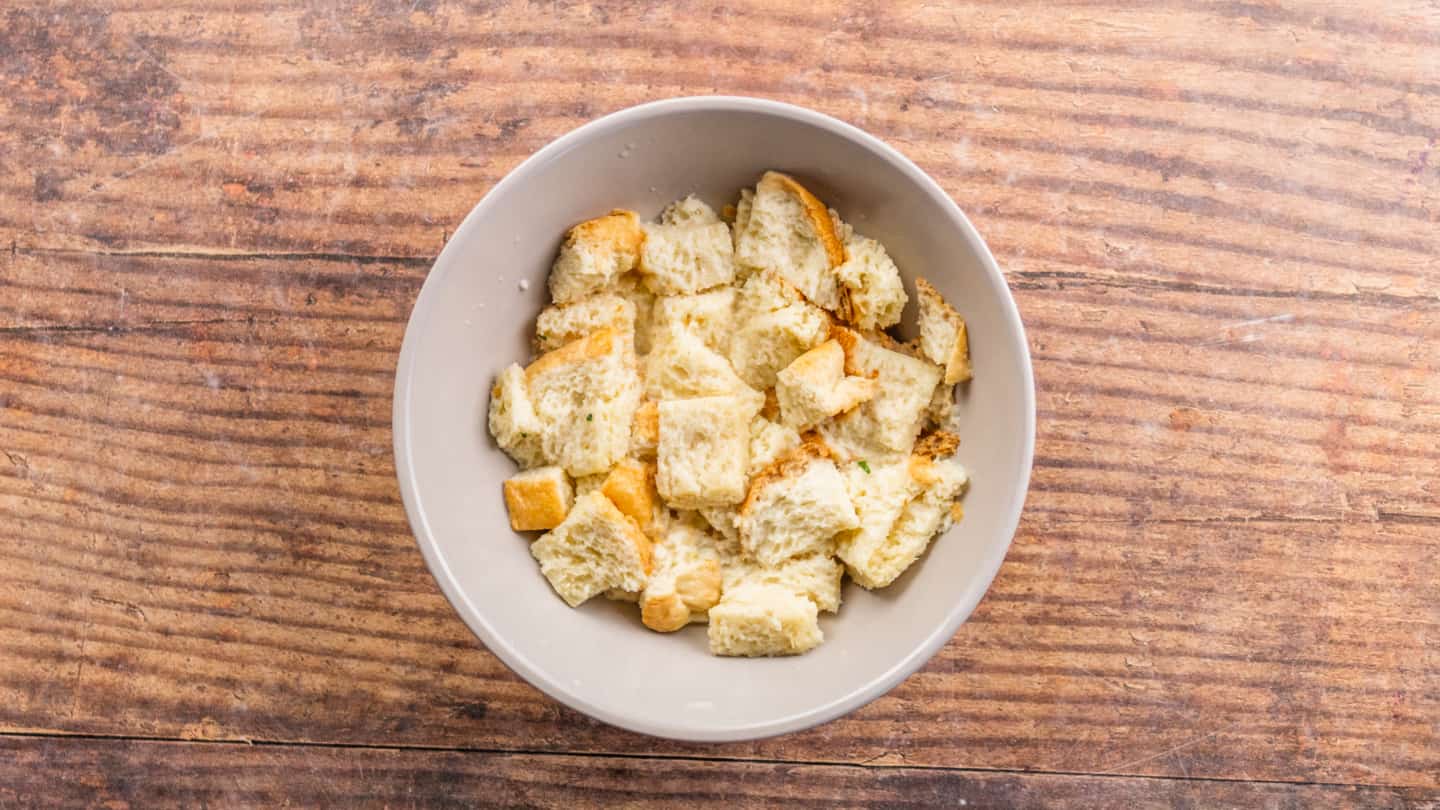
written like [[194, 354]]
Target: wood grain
[[136, 773], [1219, 222]]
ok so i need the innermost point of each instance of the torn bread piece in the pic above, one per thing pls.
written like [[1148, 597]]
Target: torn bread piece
[[813, 576], [814, 387], [538, 499], [681, 259], [686, 580], [595, 549], [585, 394], [723, 519], [789, 231], [769, 441], [704, 451], [871, 293], [564, 323], [594, 254], [901, 506], [795, 506], [763, 620], [689, 211], [885, 426], [709, 316], [943, 338], [630, 485], [769, 342], [516, 426], [681, 366]]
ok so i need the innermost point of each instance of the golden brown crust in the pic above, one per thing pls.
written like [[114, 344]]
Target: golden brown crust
[[957, 511], [771, 409], [631, 529], [631, 487], [534, 504], [937, 445], [664, 614], [817, 213], [791, 462], [597, 344], [645, 430], [619, 229]]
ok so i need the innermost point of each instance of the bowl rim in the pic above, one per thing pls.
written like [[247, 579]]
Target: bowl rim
[[512, 657]]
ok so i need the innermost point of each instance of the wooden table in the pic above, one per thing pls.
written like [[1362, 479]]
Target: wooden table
[[1221, 223]]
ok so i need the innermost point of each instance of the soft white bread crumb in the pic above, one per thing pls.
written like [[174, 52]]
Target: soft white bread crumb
[[709, 316], [769, 441], [689, 211], [633, 289], [901, 507], [681, 366], [795, 506], [704, 451], [943, 338], [645, 429], [679, 259], [585, 394], [513, 421], [594, 254], [722, 520], [886, 425], [871, 293], [595, 549], [763, 620], [789, 231], [538, 499], [685, 582], [564, 323], [814, 387], [586, 484], [769, 342], [630, 485], [813, 576]]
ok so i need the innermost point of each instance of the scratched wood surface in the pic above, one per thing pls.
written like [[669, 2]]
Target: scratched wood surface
[[1220, 224]]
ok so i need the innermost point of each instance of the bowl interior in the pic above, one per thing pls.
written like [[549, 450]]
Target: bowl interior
[[476, 314]]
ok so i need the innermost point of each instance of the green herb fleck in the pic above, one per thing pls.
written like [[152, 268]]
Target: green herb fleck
[[865, 465], [589, 417]]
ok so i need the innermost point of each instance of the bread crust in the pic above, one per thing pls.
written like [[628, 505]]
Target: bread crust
[[817, 213]]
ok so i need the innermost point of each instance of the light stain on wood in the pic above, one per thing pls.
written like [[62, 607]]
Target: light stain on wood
[[1220, 224]]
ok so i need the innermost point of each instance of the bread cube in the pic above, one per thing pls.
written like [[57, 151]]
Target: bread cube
[[689, 211], [769, 441], [871, 293], [585, 394], [679, 259], [709, 316], [594, 254], [538, 499], [814, 387], [513, 422], [795, 506], [789, 231], [813, 576], [763, 620], [704, 451], [595, 549], [885, 426], [681, 366], [685, 582], [769, 342], [630, 486], [943, 338], [564, 323]]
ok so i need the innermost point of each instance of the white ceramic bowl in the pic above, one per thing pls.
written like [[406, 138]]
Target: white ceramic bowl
[[476, 312]]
